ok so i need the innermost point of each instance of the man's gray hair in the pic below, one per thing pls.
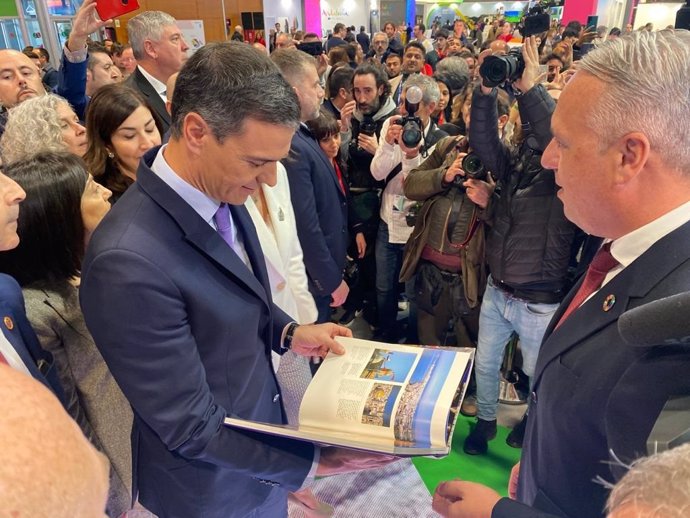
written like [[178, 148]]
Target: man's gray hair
[[148, 25], [656, 486], [428, 86], [456, 71], [646, 77], [228, 83]]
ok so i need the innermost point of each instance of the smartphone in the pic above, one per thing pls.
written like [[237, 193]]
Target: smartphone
[[592, 23], [108, 9]]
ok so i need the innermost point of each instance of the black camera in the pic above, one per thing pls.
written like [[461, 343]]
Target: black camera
[[497, 70], [367, 126], [473, 168], [412, 125], [537, 20]]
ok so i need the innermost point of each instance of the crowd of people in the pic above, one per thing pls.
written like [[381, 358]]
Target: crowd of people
[[184, 236]]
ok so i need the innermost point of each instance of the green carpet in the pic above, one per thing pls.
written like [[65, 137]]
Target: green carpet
[[492, 469]]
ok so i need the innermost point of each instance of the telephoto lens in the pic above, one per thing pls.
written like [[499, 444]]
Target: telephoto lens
[[497, 70]]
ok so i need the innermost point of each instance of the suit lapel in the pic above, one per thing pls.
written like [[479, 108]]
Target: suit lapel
[[152, 96], [634, 282], [311, 142], [201, 235], [30, 358]]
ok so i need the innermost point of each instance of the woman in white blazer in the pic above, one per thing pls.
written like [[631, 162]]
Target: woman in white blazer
[[274, 219]]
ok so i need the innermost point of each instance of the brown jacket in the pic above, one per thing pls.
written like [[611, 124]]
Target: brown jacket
[[425, 184]]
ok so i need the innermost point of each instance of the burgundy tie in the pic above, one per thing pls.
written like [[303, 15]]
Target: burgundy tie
[[601, 264], [3, 360]]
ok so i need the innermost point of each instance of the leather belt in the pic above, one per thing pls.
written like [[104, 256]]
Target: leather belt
[[534, 296], [450, 262]]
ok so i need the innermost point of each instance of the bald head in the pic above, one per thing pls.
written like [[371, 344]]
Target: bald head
[[48, 469], [498, 48], [19, 78]]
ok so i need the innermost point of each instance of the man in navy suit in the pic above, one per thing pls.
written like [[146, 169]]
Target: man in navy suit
[[317, 194], [624, 175], [176, 295], [160, 51], [19, 347]]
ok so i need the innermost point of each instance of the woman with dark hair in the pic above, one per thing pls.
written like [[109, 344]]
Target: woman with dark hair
[[63, 206], [442, 113], [326, 131], [121, 127]]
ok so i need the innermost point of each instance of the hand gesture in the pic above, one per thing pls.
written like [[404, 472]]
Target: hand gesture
[[455, 169], [321, 64], [587, 35], [368, 143], [460, 499], [346, 115], [394, 130], [478, 191], [85, 22], [318, 339], [530, 54]]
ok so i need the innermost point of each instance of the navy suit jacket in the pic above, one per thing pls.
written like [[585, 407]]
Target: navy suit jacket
[[320, 211], [137, 81], [187, 330], [593, 393], [18, 331], [72, 85]]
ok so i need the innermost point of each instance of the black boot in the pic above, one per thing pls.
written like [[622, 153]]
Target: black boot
[[477, 442], [517, 434]]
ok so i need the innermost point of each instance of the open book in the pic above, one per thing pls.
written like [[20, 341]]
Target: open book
[[386, 398]]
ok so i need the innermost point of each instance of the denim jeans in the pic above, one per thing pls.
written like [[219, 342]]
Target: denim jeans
[[388, 263], [501, 314]]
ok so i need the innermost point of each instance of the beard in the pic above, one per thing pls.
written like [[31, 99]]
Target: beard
[[369, 108]]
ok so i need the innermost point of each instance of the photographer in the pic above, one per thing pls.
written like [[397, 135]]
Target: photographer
[[361, 123], [406, 139], [445, 252], [528, 244]]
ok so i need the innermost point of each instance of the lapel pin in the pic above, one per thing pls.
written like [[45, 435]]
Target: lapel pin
[[609, 301], [281, 215], [9, 324]]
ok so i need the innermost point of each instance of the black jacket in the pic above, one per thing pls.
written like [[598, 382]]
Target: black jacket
[[528, 245]]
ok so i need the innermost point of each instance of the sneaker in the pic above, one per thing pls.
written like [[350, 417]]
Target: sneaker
[[477, 442], [469, 406], [349, 316], [517, 434]]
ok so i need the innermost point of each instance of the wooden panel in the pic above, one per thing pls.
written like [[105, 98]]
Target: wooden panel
[[210, 11]]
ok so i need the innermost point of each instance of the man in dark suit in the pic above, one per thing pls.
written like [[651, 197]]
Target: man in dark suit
[[624, 175], [176, 295], [160, 51], [318, 195], [19, 347]]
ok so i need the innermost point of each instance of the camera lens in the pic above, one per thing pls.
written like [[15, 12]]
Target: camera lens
[[473, 166]]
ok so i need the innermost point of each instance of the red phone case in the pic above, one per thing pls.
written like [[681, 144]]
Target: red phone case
[[108, 9]]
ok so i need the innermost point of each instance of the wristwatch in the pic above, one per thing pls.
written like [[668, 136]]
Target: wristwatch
[[289, 335]]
